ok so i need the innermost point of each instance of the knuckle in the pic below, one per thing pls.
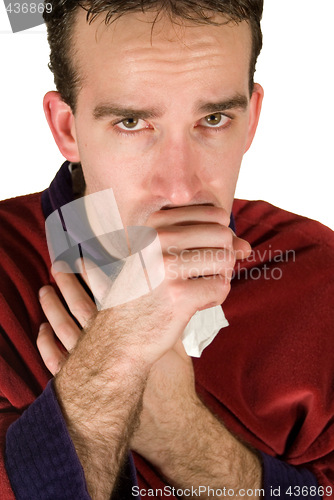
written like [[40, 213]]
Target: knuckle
[[176, 291], [211, 287], [83, 307], [212, 211], [171, 263], [223, 291], [225, 286], [100, 290], [64, 330], [224, 216], [64, 278], [230, 258], [228, 236], [219, 287]]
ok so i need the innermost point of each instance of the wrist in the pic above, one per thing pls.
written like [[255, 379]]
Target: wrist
[[175, 442], [205, 452], [99, 384]]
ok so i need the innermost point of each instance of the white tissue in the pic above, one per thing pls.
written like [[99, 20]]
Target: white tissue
[[202, 329]]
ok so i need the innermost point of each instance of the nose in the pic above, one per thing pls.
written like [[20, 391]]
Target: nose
[[175, 175]]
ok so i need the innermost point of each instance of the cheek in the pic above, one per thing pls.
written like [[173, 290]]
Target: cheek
[[105, 169], [233, 150], [221, 162], [104, 163]]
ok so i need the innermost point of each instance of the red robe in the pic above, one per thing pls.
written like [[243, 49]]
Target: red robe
[[269, 375]]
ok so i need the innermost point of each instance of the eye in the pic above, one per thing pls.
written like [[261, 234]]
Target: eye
[[132, 124], [215, 120]]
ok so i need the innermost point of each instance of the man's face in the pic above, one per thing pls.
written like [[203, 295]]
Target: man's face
[[151, 120]]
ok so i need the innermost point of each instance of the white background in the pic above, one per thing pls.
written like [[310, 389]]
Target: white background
[[290, 163]]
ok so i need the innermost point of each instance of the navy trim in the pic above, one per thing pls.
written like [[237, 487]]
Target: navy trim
[[41, 460], [280, 479]]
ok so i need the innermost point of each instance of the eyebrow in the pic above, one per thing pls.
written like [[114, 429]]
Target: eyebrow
[[106, 110], [238, 102], [101, 111]]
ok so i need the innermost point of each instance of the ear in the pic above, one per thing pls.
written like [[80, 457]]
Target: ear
[[254, 113], [61, 122]]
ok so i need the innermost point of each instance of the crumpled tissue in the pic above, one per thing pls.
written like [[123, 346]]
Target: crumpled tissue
[[202, 329]]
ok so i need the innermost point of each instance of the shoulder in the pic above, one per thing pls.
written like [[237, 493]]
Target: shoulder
[[259, 219], [24, 260], [22, 227], [23, 213]]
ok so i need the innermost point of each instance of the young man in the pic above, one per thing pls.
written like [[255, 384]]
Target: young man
[[160, 106]]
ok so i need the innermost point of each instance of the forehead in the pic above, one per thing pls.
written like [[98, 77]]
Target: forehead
[[130, 56]]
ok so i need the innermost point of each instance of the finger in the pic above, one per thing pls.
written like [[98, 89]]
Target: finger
[[200, 214], [51, 354], [77, 299], [242, 248], [60, 320], [195, 237]]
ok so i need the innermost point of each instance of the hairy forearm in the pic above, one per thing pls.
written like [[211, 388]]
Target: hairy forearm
[[204, 453], [100, 393]]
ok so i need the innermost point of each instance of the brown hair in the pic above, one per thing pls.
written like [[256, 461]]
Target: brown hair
[[60, 22]]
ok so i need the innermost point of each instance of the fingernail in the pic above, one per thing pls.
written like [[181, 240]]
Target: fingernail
[[43, 291], [60, 267], [42, 327]]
